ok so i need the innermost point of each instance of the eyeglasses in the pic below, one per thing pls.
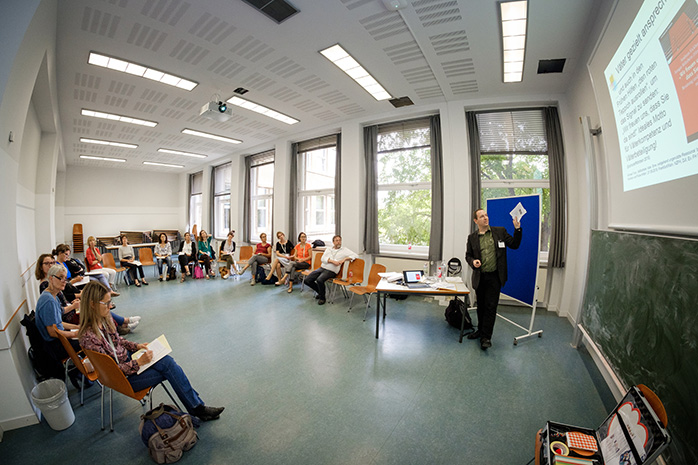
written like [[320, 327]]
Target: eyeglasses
[[49, 263], [108, 302], [64, 278]]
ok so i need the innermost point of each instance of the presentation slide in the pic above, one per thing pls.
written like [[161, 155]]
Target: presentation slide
[[653, 83]]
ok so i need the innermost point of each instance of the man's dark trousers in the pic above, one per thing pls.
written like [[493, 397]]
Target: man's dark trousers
[[316, 281], [487, 300]]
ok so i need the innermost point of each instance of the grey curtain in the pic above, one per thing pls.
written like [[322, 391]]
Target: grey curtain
[[293, 195], [246, 202], [371, 243], [437, 194], [558, 197], [338, 188], [474, 149], [211, 202]]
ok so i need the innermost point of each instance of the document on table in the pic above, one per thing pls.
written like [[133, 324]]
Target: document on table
[[160, 348]]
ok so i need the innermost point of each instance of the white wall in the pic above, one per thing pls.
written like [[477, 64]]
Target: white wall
[[106, 201], [28, 35]]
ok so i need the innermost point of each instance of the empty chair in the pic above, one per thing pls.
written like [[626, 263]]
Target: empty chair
[[245, 255], [108, 261], [145, 256], [79, 364], [370, 288], [110, 376], [355, 275]]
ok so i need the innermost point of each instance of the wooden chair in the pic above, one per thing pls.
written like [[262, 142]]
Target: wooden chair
[[245, 255], [110, 376], [370, 288], [355, 275], [108, 262], [145, 256], [317, 261], [78, 362]]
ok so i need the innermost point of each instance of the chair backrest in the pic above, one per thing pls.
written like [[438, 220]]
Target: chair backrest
[[373, 278], [317, 261], [109, 373], [194, 233], [356, 269], [108, 260], [71, 352], [145, 254], [245, 252]]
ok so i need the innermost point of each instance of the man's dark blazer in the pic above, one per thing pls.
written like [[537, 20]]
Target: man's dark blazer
[[499, 234]]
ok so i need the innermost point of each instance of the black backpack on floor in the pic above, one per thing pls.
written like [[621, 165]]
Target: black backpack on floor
[[454, 314], [171, 274]]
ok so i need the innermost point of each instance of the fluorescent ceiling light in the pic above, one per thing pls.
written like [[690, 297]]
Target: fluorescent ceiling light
[[135, 69], [186, 154], [90, 157], [192, 132], [123, 119], [261, 109], [337, 55], [514, 16], [162, 164], [108, 142]]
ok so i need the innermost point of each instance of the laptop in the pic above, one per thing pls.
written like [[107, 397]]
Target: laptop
[[413, 279]]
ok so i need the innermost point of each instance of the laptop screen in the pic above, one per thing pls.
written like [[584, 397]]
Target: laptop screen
[[412, 276]]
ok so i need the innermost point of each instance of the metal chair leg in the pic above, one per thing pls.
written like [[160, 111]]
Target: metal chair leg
[[102, 409], [368, 305], [111, 411]]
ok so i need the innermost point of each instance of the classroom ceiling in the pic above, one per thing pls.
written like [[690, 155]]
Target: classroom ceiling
[[430, 51]]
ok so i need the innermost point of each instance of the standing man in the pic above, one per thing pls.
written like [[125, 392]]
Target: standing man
[[332, 261], [487, 255]]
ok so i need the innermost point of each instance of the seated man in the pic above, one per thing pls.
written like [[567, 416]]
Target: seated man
[[332, 261], [49, 312]]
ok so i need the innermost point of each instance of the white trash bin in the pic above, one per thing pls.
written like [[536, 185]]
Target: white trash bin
[[51, 397]]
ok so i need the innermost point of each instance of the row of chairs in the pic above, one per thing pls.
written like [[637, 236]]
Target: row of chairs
[[109, 375]]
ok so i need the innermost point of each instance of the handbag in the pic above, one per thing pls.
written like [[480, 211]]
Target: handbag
[[198, 272], [167, 432]]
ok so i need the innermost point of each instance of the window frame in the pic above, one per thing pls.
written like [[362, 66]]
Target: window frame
[[306, 208], [219, 193], [268, 198], [420, 252], [195, 196]]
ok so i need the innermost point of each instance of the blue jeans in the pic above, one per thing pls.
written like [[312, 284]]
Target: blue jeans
[[316, 281], [167, 260], [118, 318], [167, 369]]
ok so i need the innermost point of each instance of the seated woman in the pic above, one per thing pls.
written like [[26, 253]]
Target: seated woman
[[300, 260], [187, 254], [93, 261], [70, 310], [75, 269], [206, 252], [261, 255], [97, 333], [127, 257], [284, 249], [227, 251], [163, 251], [50, 313]]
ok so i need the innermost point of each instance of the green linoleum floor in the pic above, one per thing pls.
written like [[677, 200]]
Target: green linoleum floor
[[309, 384]]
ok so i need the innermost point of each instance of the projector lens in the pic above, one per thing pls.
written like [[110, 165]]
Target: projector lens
[[222, 107]]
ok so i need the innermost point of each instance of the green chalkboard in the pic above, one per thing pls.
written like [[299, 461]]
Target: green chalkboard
[[641, 310]]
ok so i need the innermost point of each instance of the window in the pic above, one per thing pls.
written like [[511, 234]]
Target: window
[[317, 170], [196, 184], [404, 187], [514, 160], [261, 195], [221, 200]]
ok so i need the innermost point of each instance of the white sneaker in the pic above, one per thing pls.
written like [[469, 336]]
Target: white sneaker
[[132, 325], [134, 318]]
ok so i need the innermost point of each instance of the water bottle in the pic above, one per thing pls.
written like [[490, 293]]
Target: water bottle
[[425, 272], [439, 273], [350, 276]]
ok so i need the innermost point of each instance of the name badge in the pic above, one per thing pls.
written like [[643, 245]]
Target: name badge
[[501, 244]]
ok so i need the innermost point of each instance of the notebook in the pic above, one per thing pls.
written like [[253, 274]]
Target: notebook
[[413, 279]]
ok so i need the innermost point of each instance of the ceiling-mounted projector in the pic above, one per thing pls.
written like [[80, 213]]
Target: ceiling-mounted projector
[[217, 111]]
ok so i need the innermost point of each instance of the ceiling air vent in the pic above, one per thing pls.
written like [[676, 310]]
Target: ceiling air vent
[[401, 102], [278, 10], [551, 66]]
